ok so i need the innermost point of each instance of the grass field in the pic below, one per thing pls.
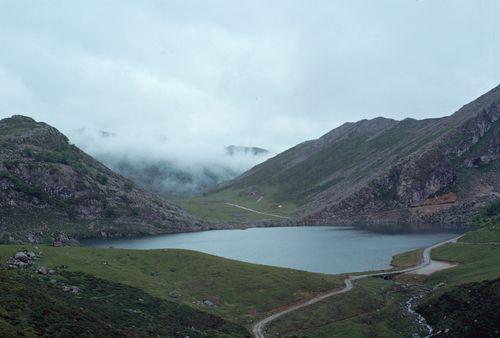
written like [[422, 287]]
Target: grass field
[[36, 305], [374, 308], [238, 292], [477, 255], [407, 259], [212, 207], [241, 291], [472, 285], [487, 234]]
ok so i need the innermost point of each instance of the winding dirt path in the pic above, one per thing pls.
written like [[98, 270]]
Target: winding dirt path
[[256, 211], [426, 262]]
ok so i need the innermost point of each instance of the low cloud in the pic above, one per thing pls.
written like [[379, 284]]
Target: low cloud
[[179, 80]]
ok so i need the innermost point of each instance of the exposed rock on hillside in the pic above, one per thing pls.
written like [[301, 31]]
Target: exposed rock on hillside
[[382, 170], [49, 186]]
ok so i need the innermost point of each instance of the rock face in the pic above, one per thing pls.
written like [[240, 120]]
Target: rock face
[[48, 185], [385, 171]]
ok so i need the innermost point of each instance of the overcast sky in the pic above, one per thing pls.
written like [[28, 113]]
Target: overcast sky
[[199, 74]]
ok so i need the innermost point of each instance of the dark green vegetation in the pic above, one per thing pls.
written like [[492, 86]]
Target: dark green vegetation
[[491, 210], [242, 292], [48, 185], [468, 302], [470, 310], [374, 171], [37, 305], [374, 308], [377, 308]]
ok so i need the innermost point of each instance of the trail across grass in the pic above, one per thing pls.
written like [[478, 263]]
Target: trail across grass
[[376, 308], [424, 263], [239, 206]]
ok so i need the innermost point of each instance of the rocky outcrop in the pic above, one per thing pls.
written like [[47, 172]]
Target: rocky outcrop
[[49, 186], [22, 260], [429, 172], [383, 171]]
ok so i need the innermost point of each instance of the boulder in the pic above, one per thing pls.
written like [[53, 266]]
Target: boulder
[[43, 270], [21, 256], [174, 294], [209, 303]]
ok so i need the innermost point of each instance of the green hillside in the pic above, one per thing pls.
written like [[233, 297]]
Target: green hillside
[[49, 186], [440, 170], [241, 292]]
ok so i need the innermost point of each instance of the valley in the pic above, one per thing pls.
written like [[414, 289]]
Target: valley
[[251, 169], [379, 171], [376, 175], [242, 293]]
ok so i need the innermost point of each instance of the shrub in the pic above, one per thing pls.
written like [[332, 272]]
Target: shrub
[[127, 186], [102, 179], [492, 209]]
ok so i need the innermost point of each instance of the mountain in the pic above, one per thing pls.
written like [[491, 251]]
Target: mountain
[[170, 178], [233, 150], [439, 170], [48, 185]]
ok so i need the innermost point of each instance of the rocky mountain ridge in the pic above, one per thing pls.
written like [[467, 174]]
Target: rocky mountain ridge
[[48, 185], [385, 171]]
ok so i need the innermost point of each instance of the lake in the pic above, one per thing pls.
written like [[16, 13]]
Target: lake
[[326, 249]]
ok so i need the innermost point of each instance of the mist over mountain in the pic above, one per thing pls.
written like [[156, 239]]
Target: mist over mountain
[[383, 171], [49, 185], [233, 150], [165, 166]]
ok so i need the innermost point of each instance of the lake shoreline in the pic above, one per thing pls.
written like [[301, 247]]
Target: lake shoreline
[[317, 249]]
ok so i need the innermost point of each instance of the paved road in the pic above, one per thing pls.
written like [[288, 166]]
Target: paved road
[[425, 262], [256, 211]]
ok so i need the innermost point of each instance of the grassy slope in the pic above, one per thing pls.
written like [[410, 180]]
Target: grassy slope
[[407, 259], [243, 291], [30, 304], [473, 284], [338, 159], [212, 206], [478, 261], [372, 309], [49, 185], [363, 313]]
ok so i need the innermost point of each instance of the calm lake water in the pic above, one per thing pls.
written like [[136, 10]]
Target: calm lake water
[[319, 249]]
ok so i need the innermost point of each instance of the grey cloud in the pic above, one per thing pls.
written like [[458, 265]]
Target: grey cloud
[[206, 74]]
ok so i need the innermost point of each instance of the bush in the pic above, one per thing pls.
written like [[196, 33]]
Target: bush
[[5, 239], [20, 185], [102, 179], [492, 209]]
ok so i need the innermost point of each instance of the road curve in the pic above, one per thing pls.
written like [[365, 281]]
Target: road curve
[[425, 261]]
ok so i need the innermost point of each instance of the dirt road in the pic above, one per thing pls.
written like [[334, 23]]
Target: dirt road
[[426, 265], [256, 211]]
